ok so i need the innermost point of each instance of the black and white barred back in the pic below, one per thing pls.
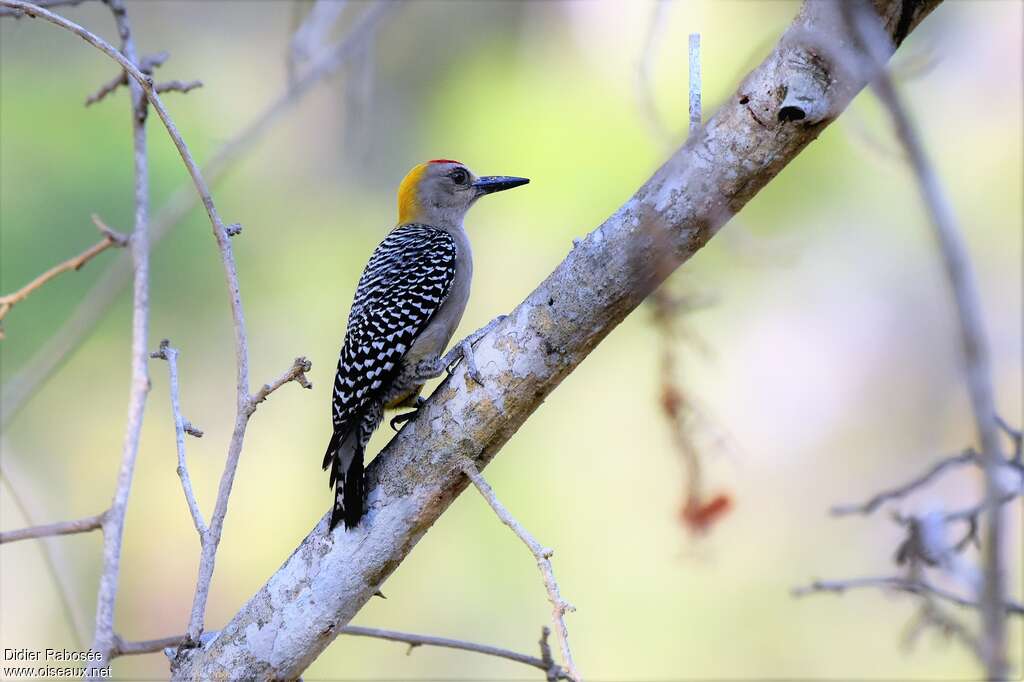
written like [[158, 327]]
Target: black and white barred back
[[407, 279]]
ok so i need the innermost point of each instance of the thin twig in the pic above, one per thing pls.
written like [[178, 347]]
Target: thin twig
[[148, 64], [541, 554], [868, 30], [67, 593], [128, 648], [1016, 436], [113, 522], [147, 646], [243, 399], [309, 35], [178, 86], [296, 373], [415, 640], [18, 14], [211, 537], [645, 91], [181, 427], [110, 238], [968, 456], [84, 525], [552, 671], [902, 585], [21, 387]]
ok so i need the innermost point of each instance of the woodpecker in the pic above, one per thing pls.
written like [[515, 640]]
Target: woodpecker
[[408, 303]]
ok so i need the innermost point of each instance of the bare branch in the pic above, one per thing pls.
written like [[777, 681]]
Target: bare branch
[[309, 36], [67, 593], [211, 536], [110, 238], [551, 669], [296, 373], [20, 388], [968, 456], [18, 14], [919, 587], [877, 46], [84, 525], [178, 86], [128, 648], [524, 358], [181, 427], [148, 65], [147, 646], [245, 403], [113, 522], [1016, 436], [645, 91], [414, 640], [542, 554]]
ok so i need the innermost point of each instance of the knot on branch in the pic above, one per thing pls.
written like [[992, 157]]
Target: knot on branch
[[234, 229], [163, 350], [805, 86], [192, 430], [296, 373]]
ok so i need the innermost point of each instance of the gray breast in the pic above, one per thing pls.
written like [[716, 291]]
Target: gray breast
[[434, 339]]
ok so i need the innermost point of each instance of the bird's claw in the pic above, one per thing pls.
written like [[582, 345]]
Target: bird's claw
[[399, 419], [402, 418]]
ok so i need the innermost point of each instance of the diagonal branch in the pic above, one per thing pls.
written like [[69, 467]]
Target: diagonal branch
[[553, 671], [977, 363], [330, 576], [148, 64], [110, 238], [968, 456], [210, 537], [84, 525], [20, 388], [414, 640], [541, 554]]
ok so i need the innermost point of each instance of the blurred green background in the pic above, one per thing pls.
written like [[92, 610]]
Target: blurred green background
[[830, 368]]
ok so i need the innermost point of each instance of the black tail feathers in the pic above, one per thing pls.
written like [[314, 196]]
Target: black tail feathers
[[347, 481]]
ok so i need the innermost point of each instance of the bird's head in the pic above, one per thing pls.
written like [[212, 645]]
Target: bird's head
[[439, 192]]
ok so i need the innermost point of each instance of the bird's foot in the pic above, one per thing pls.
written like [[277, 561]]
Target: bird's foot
[[463, 351], [409, 416]]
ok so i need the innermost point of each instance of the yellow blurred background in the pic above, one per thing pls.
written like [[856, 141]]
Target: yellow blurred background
[[830, 371]]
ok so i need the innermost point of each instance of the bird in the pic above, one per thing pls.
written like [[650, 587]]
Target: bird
[[407, 305]]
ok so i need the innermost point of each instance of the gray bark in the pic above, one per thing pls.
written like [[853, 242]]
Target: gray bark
[[779, 108]]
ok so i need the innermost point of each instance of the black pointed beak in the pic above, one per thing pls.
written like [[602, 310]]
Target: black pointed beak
[[497, 183]]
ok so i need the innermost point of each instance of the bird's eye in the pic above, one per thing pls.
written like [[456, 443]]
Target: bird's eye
[[459, 176]]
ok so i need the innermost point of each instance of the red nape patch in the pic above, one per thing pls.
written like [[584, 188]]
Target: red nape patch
[[444, 161]]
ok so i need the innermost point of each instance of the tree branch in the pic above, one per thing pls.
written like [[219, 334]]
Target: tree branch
[[902, 585], [19, 389], [110, 238], [50, 4], [542, 555], [146, 66], [113, 522], [181, 427], [211, 536], [974, 343], [414, 640], [968, 456], [142, 84], [84, 525], [330, 576]]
